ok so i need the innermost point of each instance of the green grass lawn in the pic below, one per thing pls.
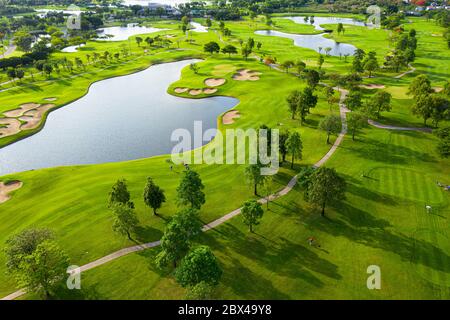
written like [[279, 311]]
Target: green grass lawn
[[383, 221]]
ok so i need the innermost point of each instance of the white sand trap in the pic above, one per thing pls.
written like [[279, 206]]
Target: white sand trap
[[50, 99], [195, 92], [372, 86], [209, 90], [438, 89], [21, 110], [181, 90], [10, 127], [5, 189], [33, 117], [228, 118], [214, 82], [246, 75]]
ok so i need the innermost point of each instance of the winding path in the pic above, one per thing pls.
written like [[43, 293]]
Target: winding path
[[411, 70], [225, 218], [8, 51], [389, 127]]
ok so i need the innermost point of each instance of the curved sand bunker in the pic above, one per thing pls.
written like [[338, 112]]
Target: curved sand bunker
[[50, 99], [181, 90], [209, 90], [26, 117], [214, 82], [228, 118], [246, 75], [437, 89], [6, 188], [372, 86], [195, 92]]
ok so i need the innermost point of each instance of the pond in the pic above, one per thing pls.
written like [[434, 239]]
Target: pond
[[122, 118], [316, 42], [123, 33], [318, 21]]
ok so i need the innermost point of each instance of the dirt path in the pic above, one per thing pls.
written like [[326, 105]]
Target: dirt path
[[411, 70], [8, 51], [389, 127], [228, 216]]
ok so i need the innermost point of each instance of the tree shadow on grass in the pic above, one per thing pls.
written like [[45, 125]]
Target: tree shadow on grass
[[361, 227], [85, 293], [145, 234]]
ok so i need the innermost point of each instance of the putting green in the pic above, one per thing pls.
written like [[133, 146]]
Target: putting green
[[406, 184], [223, 69]]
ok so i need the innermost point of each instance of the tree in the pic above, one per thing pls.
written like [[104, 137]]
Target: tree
[[300, 65], [48, 68], [23, 244], [371, 65], [420, 86], [189, 192], [286, 65], [254, 177], [20, 73], [194, 67], [320, 61], [229, 49], [246, 51], [251, 212], [325, 186], [355, 121], [175, 242], [307, 101], [283, 137], [208, 22], [211, 47], [313, 78], [357, 60], [11, 73], [43, 270], [293, 101], [23, 40], [153, 195], [331, 125], [381, 101], [443, 147], [125, 219], [120, 194], [201, 291], [440, 108], [353, 101], [199, 265], [294, 146], [139, 41], [149, 41], [340, 28], [328, 50]]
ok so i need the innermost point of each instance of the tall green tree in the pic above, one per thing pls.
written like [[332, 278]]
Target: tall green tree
[[381, 101], [294, 146], [331, 125], [211, 47], [326, 186], [176, 240], [189, 192], [254, 177], [153, 195], [199, 265], [307, 101], [229, 49], [355, 121], [125, 220], [252, 213], [120, 194], [293, 101], [420, 86], [283, 137]]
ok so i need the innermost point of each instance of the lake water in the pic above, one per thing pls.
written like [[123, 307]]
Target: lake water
[[314, 42], [123, 33], [72, 49], [318, 42], [318, 21], [122, 118], [197, 27]]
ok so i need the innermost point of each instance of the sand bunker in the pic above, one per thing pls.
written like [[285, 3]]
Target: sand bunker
[[214, 82], [195, 92], [50, 99], [372, 86], [228, 118], [209, 90], [246, 75], [6, 188], [30, 113], [438, 89], [181, 90]]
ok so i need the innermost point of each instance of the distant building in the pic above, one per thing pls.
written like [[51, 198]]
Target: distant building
[[171, 11]]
